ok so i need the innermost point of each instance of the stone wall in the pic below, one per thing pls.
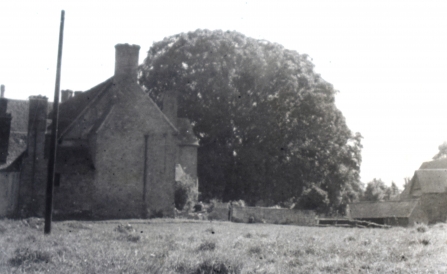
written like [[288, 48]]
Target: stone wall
[[273, 215], [220, 212], [9, 190]]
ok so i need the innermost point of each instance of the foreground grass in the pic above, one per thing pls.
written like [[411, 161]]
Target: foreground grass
[[174, 246]]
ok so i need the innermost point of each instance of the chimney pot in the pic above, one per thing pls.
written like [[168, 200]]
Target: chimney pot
[[126, 62], [2, 89]]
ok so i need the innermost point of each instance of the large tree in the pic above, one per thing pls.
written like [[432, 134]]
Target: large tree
[[268, 125]]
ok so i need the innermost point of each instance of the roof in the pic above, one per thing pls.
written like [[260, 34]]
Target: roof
[[72, 110], [436, 164], [370, 210], [431, 180]]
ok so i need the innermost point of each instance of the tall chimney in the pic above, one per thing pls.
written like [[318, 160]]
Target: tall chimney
[[2, 89], [126, 62], [37, 124], [66, 94]]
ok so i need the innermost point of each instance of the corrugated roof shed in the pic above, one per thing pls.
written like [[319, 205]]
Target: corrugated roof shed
[[389, 209]]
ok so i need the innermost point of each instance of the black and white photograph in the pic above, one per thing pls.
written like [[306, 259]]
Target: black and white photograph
[[231, 137]]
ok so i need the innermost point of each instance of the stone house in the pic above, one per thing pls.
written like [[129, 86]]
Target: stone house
[[429, 184], [117, 151], [395, 213]]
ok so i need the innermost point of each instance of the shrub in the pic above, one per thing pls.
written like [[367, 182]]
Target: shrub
[[239, 203], [313, 198], [185, 191]]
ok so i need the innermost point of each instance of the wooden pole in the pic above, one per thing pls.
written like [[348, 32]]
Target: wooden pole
[[53, 144]]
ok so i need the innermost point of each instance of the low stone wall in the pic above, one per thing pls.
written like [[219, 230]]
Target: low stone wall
[[9, 186], [220, 213], [273, 216]]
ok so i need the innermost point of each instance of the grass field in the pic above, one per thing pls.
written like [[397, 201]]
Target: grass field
[[176, 246]]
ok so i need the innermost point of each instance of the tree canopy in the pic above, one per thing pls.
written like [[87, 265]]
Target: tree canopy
[[267, 123], [378, 191]]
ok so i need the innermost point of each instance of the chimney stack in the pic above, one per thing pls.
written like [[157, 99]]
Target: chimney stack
[[126, 62], [2, 88], [37, 123], [66, 94]]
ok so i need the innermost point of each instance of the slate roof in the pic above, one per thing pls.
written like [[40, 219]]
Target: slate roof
[[431, 180], [389, 209]]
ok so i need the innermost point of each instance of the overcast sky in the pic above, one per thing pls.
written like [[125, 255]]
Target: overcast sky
[[387, 59]]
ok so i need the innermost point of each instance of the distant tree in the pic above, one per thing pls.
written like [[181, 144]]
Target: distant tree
[[407, 181], [378, 191], [442, 152], [392, 192], [267, 123], [375, 191]]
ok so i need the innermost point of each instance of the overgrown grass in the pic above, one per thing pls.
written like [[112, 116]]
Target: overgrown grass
[[173, 246]]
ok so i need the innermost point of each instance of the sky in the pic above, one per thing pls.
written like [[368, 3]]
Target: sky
[[387, 59]]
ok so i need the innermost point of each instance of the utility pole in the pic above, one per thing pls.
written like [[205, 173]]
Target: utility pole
[[53, 144]]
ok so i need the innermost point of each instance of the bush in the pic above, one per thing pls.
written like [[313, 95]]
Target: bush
[[185, 190], [313, 198]]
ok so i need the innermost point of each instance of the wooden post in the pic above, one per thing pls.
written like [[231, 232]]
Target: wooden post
[[53, 144]]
